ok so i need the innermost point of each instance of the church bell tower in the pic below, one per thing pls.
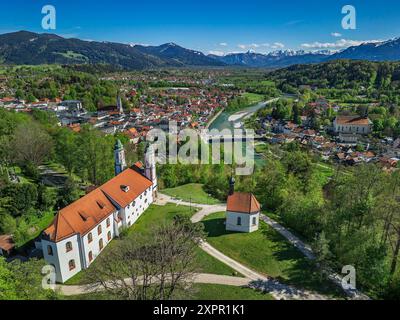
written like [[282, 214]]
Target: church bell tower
[[231, 185], [119, 157], [150, 168]]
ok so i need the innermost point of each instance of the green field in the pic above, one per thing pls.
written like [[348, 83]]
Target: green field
[[191, 192], [222, 292], [267, 252], [200, 292], [253, 97], [154, 216], [325, 172]]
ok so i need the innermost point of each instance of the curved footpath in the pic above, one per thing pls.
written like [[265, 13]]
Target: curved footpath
[[251, 278]]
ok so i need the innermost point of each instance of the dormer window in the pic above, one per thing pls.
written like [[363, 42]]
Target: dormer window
[[125, 188]]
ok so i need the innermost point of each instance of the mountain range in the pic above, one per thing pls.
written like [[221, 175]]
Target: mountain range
[[26, 47]]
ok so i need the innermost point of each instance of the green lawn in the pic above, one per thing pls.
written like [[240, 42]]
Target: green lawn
[[156, 215], [325, 172], [267, 252], [261, 148], [200, 292], [191, 192], [254, 97], [222, 292]]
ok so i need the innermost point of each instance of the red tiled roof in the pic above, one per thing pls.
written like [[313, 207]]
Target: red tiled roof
[[243, 203], [84, 214], [81, 216], [136, 182], [352, 120]]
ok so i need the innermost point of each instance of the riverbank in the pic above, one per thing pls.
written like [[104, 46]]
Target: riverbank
[[228, 120], [214, 118]]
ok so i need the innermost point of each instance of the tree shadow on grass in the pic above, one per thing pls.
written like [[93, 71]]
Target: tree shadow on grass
[[299, 271], [216, 227]]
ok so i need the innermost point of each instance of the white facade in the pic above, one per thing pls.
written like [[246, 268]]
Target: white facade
[[133, 211], [56, 254], [352, 127], [242, 222]]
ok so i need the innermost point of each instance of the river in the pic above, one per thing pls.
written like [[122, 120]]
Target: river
[[227, 120]]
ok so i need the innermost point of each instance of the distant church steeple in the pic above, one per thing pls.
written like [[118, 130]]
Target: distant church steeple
[[119, 157], [150, 168], [119, 104], [232, 185]]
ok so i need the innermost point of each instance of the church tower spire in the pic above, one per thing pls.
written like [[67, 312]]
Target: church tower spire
[[231, 185], [119, 105], [150, 168], [119, 157]]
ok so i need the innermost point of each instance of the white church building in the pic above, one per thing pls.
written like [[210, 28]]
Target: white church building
[[242, 212], [81, 231]]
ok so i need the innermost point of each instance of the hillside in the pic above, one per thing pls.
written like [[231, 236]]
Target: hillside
[[31, 48]]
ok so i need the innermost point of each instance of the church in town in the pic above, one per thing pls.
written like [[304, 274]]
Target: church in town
[[81, 231]]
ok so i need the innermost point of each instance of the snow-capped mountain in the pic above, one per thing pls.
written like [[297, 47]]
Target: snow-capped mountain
[[280, 58]]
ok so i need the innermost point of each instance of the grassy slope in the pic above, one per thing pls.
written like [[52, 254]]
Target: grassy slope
[[191, 192], [253, 97], [267, 252], [221, 292]]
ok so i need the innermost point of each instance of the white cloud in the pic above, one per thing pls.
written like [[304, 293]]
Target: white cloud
[[336, 34], [216, 52], [278, 45], [223, 44], [339, 44]]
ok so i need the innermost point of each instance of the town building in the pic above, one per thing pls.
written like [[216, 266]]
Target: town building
[[352, 124], [243, 211], [81, 231]]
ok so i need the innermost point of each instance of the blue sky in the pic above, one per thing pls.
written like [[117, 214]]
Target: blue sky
[[211, 26]]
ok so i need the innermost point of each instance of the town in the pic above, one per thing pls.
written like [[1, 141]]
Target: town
[[207, 151]]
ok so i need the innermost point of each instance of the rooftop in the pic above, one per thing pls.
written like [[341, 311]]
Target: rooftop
[[353, 120], [84, 214], [243, 203]]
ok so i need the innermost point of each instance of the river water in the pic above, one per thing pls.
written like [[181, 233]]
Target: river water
[[227, 120], [222, 122]]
